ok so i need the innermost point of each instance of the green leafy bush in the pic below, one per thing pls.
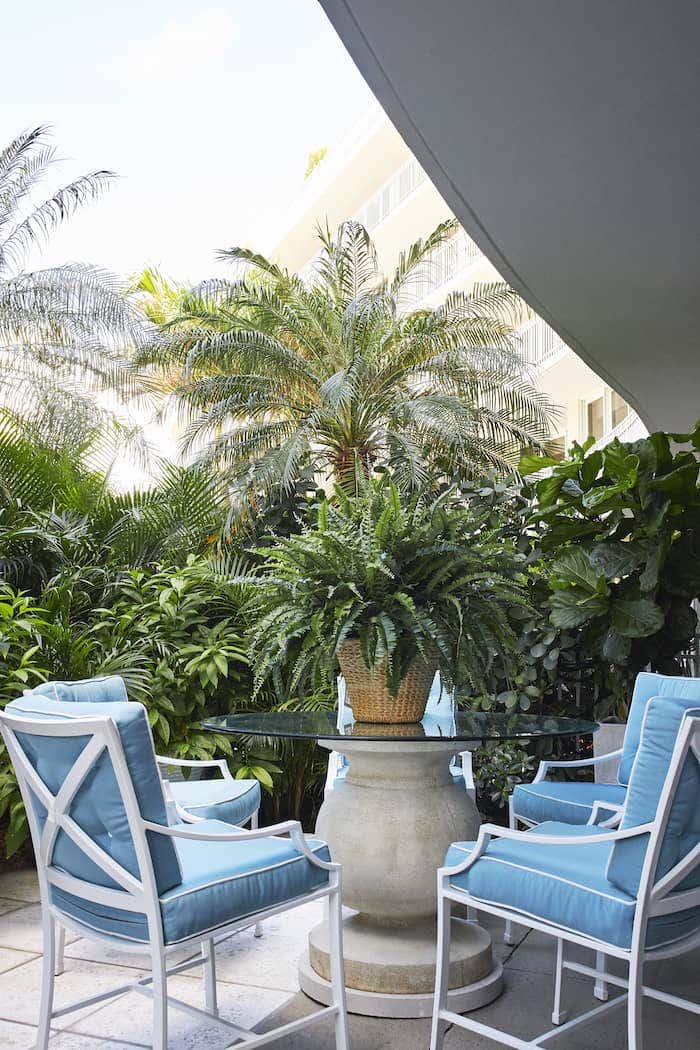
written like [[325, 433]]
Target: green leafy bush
[[22, 665], [620, 540]]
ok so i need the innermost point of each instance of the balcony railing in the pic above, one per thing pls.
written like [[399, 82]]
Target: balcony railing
[[630, 428], [539, 343], [443, 264], [401, 184]]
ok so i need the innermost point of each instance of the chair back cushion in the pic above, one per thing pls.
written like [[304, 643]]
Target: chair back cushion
[[650, 684], [97, 806], [107, 689], [662, 722]]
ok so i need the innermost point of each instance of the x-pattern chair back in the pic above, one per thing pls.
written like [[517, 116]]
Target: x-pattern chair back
[[101, 735]]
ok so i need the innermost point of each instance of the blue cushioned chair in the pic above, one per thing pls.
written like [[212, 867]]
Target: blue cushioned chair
[[225, 798], [112, 869], [439, 713], [632, 892], [575, 802]]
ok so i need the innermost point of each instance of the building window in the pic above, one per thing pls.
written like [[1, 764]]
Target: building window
[[596, 418], [620, 409]]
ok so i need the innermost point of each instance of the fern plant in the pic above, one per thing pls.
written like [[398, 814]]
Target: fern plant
[[405, 577]]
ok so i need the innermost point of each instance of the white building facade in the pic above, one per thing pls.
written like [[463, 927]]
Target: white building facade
[[372, 176]]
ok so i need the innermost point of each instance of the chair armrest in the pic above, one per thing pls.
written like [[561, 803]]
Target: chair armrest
[[609, 807], [291, 827], [489, 831], [579, 763], [189, 763]]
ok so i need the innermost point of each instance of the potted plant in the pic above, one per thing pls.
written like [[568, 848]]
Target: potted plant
[[391, 589]]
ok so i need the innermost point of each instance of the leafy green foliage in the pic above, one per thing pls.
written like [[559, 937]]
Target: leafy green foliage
[[22, 665], [402, 576], [185, 628], [279, 376], [619, 531]]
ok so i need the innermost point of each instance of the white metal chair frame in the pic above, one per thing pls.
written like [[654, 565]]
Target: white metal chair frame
[[181, 816], [654, 898], [140, 894]]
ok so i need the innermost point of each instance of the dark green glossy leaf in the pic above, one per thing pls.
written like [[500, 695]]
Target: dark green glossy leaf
[[636, 618]]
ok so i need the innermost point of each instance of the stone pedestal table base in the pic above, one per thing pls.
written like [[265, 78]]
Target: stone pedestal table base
[[389, 823]]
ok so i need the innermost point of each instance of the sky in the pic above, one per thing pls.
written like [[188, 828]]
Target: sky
[[207, 112]]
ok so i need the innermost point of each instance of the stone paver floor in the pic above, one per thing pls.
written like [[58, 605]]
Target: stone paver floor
[[258, 987]]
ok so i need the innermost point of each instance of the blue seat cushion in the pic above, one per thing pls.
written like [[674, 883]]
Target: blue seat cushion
[[647, 685], [563, 885], [568, 801], [222, 882], [233, 801]]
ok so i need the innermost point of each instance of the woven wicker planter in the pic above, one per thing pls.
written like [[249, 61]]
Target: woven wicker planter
[[369, 696]]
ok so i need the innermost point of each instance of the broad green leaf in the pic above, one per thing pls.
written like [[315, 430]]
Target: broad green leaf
[[573, 567], [531, 464], [620, 464], [636, 618], [573, 608], [613, 558]]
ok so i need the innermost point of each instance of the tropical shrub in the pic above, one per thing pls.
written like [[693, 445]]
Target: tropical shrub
[[404, 576], [22, 665], [279, 376], [619, 531], [184, 628]]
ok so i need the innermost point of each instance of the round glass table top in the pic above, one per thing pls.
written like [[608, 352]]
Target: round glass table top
[[460, 725]]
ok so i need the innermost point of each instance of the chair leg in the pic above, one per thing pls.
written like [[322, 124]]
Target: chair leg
[[559, 1015], [257, 930], [442, 970], [47, 980], [513, 824], [634, 1003], [160, 1000], [600, 988], [335, 931], [60, 951], [209, 966]]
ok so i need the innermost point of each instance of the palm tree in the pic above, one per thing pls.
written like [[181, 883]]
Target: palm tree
[[63, 330], [278, 374]]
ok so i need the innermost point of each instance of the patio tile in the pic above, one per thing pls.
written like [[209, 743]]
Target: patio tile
[[20, 997], [95, 951], [129, 1020], [10, 957], [366, 1033], [20, 885], [21, 928], [9, 905], [524, 1009], [271, 961], [17, 1036], [536, 953]]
